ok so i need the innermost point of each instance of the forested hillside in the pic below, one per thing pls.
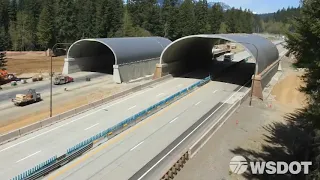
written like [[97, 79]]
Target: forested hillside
[[39, 24], [280, 21]]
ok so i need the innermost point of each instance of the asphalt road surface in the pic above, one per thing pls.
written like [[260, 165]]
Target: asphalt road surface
[[138, 146], [123, 156], [43, 86]]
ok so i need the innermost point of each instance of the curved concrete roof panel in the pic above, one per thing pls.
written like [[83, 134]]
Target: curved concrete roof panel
[[126, 50], [263, 50]]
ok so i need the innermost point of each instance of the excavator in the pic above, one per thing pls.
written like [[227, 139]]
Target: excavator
[[5, 77]]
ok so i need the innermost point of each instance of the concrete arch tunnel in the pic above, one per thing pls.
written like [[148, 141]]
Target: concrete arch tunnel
[[195, 52], [126, 58]]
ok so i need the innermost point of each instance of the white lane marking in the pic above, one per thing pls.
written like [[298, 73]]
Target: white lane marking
[[91, 126], [142, 176], [132, 107], [28, 156], [198, 103], [136, 146], [160, 94], [46, 132], [174, 120], [180, 85], [215, 91]]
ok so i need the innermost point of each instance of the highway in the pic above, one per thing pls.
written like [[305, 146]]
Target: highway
[[121, 157], [26, 152], [44, 86], [147, 140]]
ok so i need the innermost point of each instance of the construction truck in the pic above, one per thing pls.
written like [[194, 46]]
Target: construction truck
[[61, 79], [23, 99], [37, 78]]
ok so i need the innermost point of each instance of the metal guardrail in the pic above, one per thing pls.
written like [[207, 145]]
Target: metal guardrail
[[79, 149], [35, 169]]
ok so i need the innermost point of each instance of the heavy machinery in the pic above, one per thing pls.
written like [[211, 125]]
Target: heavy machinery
[[37, 78], [61, 79], [5, 77], [23, 99]]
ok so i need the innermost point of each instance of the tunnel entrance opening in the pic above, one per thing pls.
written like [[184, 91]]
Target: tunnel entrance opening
[[195, 58], [92, 56]]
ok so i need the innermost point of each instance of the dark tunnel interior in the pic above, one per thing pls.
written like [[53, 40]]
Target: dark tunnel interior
[[197, 61], [93, 56]]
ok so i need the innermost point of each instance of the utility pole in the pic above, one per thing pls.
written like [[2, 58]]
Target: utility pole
[[51, 73]]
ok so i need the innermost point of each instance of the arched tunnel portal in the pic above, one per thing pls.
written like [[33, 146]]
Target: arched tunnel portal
[[195, 54]]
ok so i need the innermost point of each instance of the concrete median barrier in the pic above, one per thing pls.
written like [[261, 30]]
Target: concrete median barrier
[[49, 121], [83, 108], [30, 128], [9, 136], [67, 114]]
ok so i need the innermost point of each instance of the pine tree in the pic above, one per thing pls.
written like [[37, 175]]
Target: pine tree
[[46, 25], [170, 15], [13, 8], [201, 15], [101, 19], [65, 21], [304, 43], [231, 21], [215, 18], [86, 13], [115, 17], [4, 14], [187, 18]]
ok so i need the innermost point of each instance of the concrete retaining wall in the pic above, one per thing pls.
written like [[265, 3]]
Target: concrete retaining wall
[[49, 121], [137, 70]]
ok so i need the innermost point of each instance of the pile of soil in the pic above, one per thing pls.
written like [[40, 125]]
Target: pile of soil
[[287, 92]]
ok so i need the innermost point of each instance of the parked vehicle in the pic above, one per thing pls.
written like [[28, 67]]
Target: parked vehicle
[[61, 79], [23, 99]]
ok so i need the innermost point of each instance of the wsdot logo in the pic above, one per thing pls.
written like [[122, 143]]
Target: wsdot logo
[[238, 164]]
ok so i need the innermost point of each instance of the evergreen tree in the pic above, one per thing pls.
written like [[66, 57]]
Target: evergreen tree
[[115, 17], [65, 21], [215, 18], [201, 15], [13, 8], [86, 14], [231, 21], [46, 25], [101, 20], [187, 19], [4, 14], [170, 20], [304, 43]]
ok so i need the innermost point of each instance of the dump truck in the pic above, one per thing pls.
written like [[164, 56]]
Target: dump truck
[[61, 79], [23, 99]]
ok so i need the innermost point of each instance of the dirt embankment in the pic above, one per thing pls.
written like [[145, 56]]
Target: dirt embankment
[[32, 62], [286, 92]]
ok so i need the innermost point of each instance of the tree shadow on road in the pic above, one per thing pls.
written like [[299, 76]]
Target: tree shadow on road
[[284, 142]]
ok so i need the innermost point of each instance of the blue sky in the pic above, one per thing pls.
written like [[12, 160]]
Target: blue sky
[[261, 6]]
